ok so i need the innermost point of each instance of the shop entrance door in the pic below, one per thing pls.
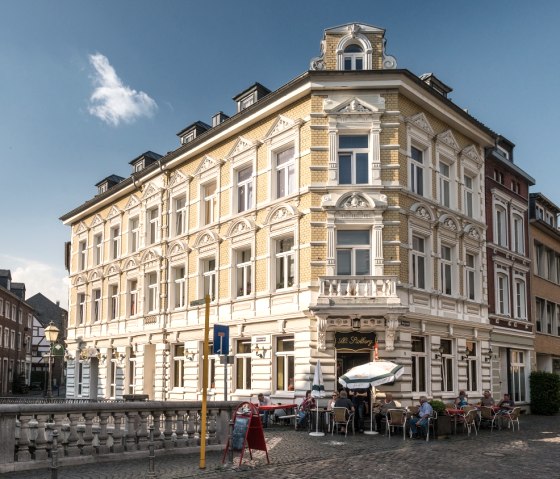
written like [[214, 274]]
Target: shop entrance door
[[346, 361]]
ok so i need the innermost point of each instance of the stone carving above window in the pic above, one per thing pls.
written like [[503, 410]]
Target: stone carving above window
[[421, 121], [448, 139], [449, 224], [355, 201]]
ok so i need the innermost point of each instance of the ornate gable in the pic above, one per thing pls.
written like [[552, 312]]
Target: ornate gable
[[421, 121], [355, 201], [97, 220], [448, 139], [178, 247], [449, 223], [422, 211], [130, 264], [240, 227], [176, 178], [206, 164], [281, 124], [242, 145], [205, 239], [354, 106], [471, 152], [280, 213], [472, 232], [81, 227], [132, 202], [114, 211], [150, 255], [150, 191], [111, 270]]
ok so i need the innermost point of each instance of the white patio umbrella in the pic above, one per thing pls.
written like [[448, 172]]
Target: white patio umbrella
[[317, 391], [371, 375]]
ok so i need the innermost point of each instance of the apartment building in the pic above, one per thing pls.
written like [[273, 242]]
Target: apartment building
[[343, 208]]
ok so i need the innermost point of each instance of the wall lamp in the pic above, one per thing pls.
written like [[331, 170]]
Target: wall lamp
[[190, 355], [488, 356], [259, 352], [439, 352]]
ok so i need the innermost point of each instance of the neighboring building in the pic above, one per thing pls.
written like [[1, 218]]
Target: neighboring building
[[45, 312], [545, 281], [346, 206], [509, 285], [16, 318]]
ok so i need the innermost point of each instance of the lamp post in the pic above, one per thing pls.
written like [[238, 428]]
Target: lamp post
[[51, 334]]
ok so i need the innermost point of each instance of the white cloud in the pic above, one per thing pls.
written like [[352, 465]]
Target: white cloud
[[38, 278], [112, 101]]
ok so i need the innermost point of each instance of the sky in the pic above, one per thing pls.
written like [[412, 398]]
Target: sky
[[87, 86]]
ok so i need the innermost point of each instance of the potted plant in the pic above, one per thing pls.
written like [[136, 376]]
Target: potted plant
[[444, 423]]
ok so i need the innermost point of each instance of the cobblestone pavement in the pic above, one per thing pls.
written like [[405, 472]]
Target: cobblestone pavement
[[533, 452]]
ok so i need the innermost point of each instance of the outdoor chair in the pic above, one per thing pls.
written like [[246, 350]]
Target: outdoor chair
[[396, 418], [413, 410], [512, 418], [342, 417], [469, 420], [487, 416], [432, 420]]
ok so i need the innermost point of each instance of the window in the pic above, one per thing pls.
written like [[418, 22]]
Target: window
[[447, 366], [353, 159], [518, 376], [285, 173], [97, 249], [501, 226], [81, 308], [517, 235], [12, 339], [115, 242], [444, 184], [539, 212], [114, 294], [96, 307], [540, 263], [179, 366], [284, 263], [353, 57], [445, 270], [499, 176], [416, 171], [550, 219], [113, 365], [1, 307], [6, 338], [243, 365], [285, 363], [353, 252], [418, 358], [243, 272], [179, 287], [209, 204], [180, 215], [502, 300], [520, 299], [7, 310], [211, 365], [133, 297], [152, 292], [541, 316], [134, 234], [131, 372], [82, 255], [472, 366], [79, 377], [469, 195], [14, 315], [209, 278], [244, 189], [550, 315], [153, 225], [470, 275], [418, 262]]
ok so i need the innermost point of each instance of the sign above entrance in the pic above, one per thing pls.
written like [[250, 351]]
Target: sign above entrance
[[354, 341]]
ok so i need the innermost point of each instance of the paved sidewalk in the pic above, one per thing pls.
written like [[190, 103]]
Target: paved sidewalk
[[532, 452]]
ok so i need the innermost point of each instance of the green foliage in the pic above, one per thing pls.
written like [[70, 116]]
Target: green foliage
[[545, 393], [438, 406]]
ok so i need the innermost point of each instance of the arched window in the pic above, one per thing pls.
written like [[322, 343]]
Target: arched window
[[353, 57]]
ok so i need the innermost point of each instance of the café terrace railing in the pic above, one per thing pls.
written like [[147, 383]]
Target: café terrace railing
[[88, 430]]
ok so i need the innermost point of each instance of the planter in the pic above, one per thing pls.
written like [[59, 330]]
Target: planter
[[444, 426]]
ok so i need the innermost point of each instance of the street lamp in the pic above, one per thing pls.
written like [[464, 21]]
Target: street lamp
[[51, 334]]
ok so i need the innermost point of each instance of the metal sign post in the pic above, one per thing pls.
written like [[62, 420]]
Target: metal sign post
[[221, 347]]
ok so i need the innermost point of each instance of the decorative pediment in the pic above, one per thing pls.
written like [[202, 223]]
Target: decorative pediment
[[97, 220], [150, 255], [281, 124], [353, 105], [130, 264], [81, 228], [150, 191], [242, 145], [114, 211], [132, 202], [240, 227], [79, 280], [473, 232], [355, 201], [280, 213], [177, 178], [178, 247], [447, 138], [471, 152], [449, 223], [422, 211], [206, 238], [206, 164], [111, 270], [421, 121], [95, 275]]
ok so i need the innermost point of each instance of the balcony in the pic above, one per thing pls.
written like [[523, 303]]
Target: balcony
[[358, 290]]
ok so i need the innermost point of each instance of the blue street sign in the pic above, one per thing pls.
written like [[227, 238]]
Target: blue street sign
[[221, 339]]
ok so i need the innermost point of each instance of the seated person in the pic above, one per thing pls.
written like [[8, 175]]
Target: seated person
[[307, 404], [264, 401], [506, 404], [386, 404], [332, 401], [421, 421], [487, 399], [343, 401], [461, 400]]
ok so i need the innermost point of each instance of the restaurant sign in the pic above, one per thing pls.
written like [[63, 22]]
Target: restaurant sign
[[354, 341]]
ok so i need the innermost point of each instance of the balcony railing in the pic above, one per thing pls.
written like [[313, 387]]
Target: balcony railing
[[382, 288], [117, 429]]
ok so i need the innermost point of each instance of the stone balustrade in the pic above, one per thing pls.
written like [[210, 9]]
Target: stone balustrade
[[90, 430], [367, 287]]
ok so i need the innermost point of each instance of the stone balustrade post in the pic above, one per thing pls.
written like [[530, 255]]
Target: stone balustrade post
[[143, 432], [168, 430], [87, 449], [103, 436], [72, 449], [131, 433], [41, 453], [180, 429], [158, 441], [191, 428], [23, 453], [117, 433]]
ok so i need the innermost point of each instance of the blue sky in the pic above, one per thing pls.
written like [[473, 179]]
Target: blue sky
[[86, 86]]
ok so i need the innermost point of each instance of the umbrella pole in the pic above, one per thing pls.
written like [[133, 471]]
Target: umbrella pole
[[317, 432], [371, 432]]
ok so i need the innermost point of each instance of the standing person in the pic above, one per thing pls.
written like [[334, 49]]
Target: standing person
[[487, 399], [387, 403], [359, 397], [264, 401], [303, 413], [421, 420]]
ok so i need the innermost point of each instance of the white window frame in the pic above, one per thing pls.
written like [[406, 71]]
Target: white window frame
[[354, 250], [445, 183], [517, 233], [98, 249], [414, 184], [353, 153], [354, 57], [179, 214], [447, 269], [209, 277], [82, 255], [112, 374], [284, 261], [448, 366], [473, 384], [418, 256], [179, 282], [152, 221], [96, 305], [471, 290], [416, 366], [178, 366], [115, 241], [114, 301], [246, 187], [209, 202], [518, 375], [502, 292], [287, 359], [243, 366], [152, 292], [469, 194], [285, 170], [132, 288], [243, 272], [500, 226], [134, 234]]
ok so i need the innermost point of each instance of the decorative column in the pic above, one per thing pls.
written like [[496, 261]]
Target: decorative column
[[375, 151], [391, 326], [333, 160]]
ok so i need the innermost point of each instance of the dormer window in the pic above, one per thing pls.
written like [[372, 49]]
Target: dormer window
[[353, 57], [139, 166], [503, 152], [188, 138], [246, 102], [250, 96]]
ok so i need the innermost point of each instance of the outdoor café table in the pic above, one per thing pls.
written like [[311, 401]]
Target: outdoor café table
[[324, 419], [286, 407], [455, 413]]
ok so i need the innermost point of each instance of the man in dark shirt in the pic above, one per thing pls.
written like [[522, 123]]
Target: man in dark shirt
[[343, 401], [359, 397]]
